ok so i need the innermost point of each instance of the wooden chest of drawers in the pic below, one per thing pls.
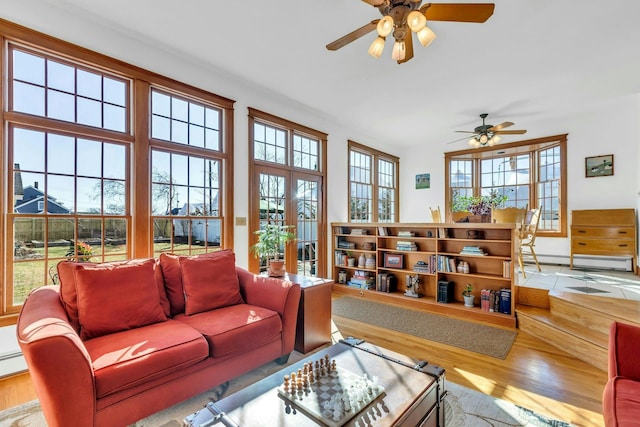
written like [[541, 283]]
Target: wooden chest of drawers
[[608, 232]]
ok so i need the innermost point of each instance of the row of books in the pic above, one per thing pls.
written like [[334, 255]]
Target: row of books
[[343, 244], [497, 301], [386, 282], [422, 267], [506, 269], [406, 234], [359, 232]]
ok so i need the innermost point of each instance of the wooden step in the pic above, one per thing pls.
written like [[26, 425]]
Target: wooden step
[[583, 343], [594, 312]]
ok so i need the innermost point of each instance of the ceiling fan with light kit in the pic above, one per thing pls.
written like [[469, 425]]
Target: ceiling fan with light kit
[[402, 18], [489, 134]]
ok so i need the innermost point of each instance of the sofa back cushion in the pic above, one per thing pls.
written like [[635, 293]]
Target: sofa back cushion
[[69, 295], [114, 297], [210, 282], [172, 273]]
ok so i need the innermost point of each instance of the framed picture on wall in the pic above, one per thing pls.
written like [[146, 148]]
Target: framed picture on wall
[[393, 260], [598, 166], [423, 180]]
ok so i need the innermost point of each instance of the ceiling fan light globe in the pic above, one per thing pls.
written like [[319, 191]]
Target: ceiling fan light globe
[[399, 51], [385, 26], [376, 47], [496, 139], [426, 36], [472, 142], [416, 21], [483, 139]]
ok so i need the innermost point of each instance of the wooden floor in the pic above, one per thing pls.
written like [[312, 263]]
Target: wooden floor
[[534, 374]]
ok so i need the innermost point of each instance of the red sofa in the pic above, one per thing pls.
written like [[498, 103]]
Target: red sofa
[[116, 342], [621, 396]]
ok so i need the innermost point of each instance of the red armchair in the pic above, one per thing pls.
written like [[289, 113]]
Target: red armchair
[[621, 396]]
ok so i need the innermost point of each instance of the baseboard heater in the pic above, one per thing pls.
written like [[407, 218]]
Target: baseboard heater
[[589, 261]]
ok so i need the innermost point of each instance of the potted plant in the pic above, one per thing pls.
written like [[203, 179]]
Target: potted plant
[[468, 297], [479, 207], [270, 238]]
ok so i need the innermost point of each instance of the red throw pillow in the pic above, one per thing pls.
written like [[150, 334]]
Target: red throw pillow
[[172, 273], [210, 282], [114, 297]]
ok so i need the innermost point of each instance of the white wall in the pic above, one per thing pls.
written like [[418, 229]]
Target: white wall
[[609, 128]]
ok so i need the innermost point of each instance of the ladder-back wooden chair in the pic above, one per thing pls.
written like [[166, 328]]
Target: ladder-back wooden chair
[[435, 214], [508, 215], [528, 239]]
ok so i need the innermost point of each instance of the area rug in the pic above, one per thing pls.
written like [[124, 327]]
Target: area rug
[[463, 407], [483, 339]]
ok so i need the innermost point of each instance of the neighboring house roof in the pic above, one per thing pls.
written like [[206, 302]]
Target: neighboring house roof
[[18, 189], [31, 199]]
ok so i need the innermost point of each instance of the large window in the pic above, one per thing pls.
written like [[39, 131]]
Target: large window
[[373, 185], [287, 164], [530, 173], [105, 161]]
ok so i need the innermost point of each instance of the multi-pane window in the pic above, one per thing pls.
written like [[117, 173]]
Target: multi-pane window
[[96, 174], [69, 201], [529, 173], [185, 187], [373, 185], [49, 87], [183, 121], [508, 176], [549, 183], [287, 171]]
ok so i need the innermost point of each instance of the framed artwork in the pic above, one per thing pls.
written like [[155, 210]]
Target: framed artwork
[[393, 260], [423, 180], [598, 166]]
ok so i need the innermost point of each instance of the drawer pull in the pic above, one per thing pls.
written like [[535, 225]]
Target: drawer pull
[[582, 244], [581, 231], [623, 246], [622, 232]]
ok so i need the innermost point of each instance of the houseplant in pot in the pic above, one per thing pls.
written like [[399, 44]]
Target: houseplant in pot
[[479, 207], [270, 238], [468, 297]]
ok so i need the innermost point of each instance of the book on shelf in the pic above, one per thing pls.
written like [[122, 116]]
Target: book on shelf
[[421, 267], [338, 230], [506, 269], [386, 282], [343, 244], [472, 250], [406, 234], [358, 232], [382, 231], [445, 291], [406, 246], [505, 301]]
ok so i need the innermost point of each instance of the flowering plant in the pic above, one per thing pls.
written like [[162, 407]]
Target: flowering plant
[[84, 252], [479, 205]]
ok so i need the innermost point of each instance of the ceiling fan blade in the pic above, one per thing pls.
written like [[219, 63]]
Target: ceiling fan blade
[[501, 126], [511, 132], [353, 35], [460, 12], [459, 139], [466, 131], [374, 3], [408, 47]]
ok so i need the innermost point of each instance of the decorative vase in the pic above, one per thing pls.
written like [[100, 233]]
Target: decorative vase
[[362, 261], [351, 262]]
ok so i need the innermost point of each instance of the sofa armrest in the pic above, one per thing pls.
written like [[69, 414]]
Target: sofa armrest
[[275, 294], [58, 362], [624, 351]]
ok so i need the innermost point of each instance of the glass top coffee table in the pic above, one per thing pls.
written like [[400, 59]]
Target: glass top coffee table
[[394, 390]]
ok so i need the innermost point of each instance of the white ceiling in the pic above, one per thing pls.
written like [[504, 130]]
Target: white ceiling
[[533, 59]]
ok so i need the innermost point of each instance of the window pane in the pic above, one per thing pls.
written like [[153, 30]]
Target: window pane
[[114, 118], [61, 77], [89, 112], [28, 68], [28, 147], [28, 99], [115, 92], [60, 106], [60, 158], [89, 85], [89, 157]]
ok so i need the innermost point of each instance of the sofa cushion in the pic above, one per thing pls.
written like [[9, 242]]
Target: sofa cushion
[[125, 359], [235, 328], [69, 296], [172, 273], [210, 282], [118, 296], [624, 402]]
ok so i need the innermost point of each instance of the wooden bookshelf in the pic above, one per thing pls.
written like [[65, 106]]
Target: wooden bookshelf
[[398, 247]]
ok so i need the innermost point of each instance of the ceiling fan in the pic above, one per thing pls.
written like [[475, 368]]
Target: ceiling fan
[[402, 18], [489, 134]]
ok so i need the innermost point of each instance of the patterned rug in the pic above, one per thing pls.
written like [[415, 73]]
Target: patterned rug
[[463, 407]]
